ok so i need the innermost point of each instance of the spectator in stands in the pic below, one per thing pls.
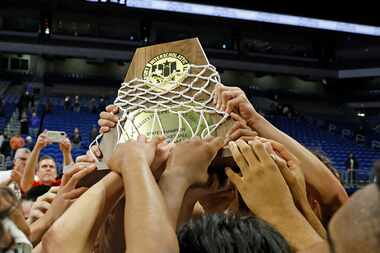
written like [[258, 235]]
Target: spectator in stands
[[76, 104], [16, 235], [94, 133], [352, 166], [16, 142], [46, 165], [24, 124], [48, 106], [76, 139], [5, 148], [67, 103], [25, 102], [92, 107], [19, 162], [35, 125]]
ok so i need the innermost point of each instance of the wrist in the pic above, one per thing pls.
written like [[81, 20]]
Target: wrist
[[131, 166], [176, 176], [66, 152], [255, 120], [48, 219], [173, 179]]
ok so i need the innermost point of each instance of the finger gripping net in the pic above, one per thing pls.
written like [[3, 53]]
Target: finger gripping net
[[180, 93]]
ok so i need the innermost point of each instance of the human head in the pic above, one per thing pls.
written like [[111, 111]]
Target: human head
[[230, 234], [356, 226], [76, 130], [21, 156], [47, 170], [28, 139]]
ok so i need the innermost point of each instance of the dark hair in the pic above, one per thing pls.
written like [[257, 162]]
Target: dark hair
[[326, 161], [47, 157], [219, 233]]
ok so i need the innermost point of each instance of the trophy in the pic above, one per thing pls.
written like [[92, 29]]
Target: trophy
[[168, 91]]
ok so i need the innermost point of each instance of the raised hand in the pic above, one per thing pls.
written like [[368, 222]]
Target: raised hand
[[42, 141], [108, 119], [240, 129], [261, 184], [191, 158], [65, 145], [133, 152], [293, 174], [42, 204], [233, 99]]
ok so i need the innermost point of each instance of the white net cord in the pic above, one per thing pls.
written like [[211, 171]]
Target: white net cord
[[190, 92]]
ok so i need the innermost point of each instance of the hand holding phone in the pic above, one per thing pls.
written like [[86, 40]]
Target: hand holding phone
[[56, 136]]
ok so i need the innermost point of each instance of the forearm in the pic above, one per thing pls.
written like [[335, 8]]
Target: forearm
[[173, 189], [314, 221], [75, 233], [145, 206], [316, 173], [39, 227], [67, 158], [296, 230], [29, 171]]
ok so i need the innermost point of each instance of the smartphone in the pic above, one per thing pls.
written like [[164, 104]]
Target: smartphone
[[56, 136]]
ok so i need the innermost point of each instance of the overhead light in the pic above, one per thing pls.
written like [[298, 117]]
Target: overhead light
[[250, 15], [361, 114]]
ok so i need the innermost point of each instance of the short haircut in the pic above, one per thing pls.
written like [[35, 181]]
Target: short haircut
[[46, 157], [230, 234], [20, 151], [326, 161]]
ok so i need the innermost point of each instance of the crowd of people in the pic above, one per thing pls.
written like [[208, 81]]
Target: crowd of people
[[162, 197]]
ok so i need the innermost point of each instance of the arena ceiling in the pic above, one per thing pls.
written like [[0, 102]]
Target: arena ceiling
[[254, 46]]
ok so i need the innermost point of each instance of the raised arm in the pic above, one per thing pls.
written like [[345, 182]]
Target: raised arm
[[234, 101], [267, 195], [66, 195], [187, 166], [32, 162], [146, 221], [65, 147], [77, 228]]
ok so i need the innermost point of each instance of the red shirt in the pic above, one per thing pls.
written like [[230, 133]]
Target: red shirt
[[57, 182]]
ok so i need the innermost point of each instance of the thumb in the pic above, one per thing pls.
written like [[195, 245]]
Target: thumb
[[216, 143], [281, 164], [233, 177]]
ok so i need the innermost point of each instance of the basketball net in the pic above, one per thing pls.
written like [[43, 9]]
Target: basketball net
[[179, 93]]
